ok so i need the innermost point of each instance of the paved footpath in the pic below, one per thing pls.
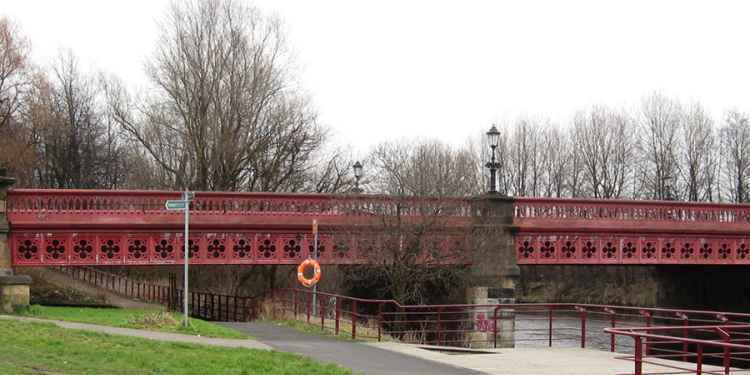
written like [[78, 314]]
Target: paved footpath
[[151, 335], [357, 356]]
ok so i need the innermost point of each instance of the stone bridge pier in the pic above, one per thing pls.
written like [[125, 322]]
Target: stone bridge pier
[[14, 289], [494, 271]]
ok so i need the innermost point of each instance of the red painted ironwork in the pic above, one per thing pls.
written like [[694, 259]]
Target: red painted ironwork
[[467, 325], [585, 231], [116, 227], [697, 349], [111, 227]]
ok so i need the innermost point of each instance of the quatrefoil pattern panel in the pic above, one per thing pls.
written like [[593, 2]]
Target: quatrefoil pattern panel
[[630, 249]]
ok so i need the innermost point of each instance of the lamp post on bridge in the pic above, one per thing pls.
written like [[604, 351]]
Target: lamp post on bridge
[[493, 136], [357, 175]]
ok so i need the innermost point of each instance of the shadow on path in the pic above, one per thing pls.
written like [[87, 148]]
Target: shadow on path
[[351, 354]]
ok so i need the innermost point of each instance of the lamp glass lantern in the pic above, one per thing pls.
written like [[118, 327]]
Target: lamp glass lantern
[[357, 170], [493, 137], [357, 175]]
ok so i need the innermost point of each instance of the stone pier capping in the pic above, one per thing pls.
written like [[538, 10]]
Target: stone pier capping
[[14, 289]]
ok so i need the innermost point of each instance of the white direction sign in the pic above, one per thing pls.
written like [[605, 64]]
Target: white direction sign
[[176, 204]]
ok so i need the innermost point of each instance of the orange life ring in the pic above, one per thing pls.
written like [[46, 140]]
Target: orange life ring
[[301, 273]]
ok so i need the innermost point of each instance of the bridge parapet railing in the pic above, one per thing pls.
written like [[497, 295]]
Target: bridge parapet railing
[[629, 210], [142, 201]]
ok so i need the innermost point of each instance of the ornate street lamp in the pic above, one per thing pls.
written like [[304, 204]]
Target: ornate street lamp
[[667, 188], [493, 136], [357, 175]]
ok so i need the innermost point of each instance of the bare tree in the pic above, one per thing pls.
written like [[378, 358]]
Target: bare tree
[[697, 155], [427, 169], [735, 139], [554, 162], [224, 115], [14, 66], [603, 138], [524, 167], [15, 77], [659, 141], [410, 262], [331, 173], [76, 144]]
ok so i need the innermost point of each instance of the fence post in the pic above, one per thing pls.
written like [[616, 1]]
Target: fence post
[[439, 324], [685, 324], [494, 326], [612, 317], [549, 333], [727, 360], [309, 306], [235, 309], [647, 316], [192, 303], [699, 360], [583, 326], [294, 303], [338, 315], [322, 315], [354, 319], [638, 357], [380, 320]]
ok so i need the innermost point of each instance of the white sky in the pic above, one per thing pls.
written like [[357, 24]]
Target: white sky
[[387, 70]]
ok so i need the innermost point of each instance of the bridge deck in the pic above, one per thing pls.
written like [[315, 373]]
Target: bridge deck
[[101, 227]]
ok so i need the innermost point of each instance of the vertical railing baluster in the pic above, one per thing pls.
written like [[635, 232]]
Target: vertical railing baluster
[[638, 357]]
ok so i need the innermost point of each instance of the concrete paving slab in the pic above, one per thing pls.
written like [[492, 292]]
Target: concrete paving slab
[[533, 361]]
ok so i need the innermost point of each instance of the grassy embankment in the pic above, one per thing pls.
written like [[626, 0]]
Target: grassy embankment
[[41, 348], [153, 320]]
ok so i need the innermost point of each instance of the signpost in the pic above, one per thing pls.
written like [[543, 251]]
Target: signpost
[[315, 256], [184, 205]]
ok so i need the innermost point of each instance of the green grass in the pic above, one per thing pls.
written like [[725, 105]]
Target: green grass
[[40, 348], [153, 320]]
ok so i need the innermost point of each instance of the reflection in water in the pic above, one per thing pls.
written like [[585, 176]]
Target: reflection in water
[[532, 331]]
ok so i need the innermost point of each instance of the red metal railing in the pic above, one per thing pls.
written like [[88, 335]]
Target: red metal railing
[[699, 349], [491, 325], [204, 305], [630, 210], [207, 203], [218, 307], [143, 291], [586, 231]]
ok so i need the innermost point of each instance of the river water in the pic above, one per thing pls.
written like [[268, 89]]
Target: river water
[[532, 331]]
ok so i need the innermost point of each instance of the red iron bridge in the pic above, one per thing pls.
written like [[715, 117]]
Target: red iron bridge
[[127, 227]]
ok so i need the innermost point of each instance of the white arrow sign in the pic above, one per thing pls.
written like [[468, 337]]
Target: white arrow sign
[[175, 205]]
